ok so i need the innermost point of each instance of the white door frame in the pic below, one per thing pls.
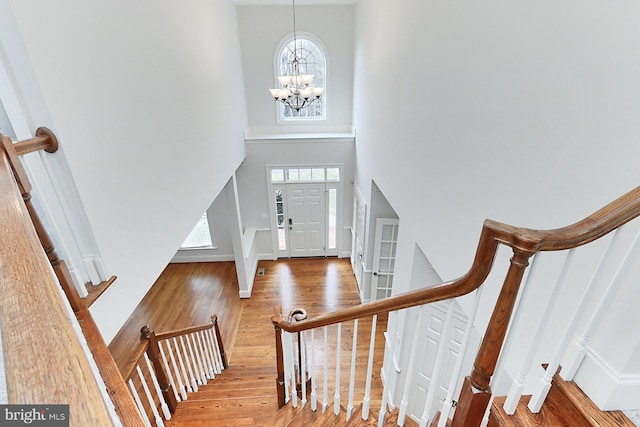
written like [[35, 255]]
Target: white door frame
[[282, 186], [384, 266]]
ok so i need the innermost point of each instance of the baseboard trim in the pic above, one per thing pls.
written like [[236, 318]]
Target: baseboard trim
[[201, 255], [608, 389]]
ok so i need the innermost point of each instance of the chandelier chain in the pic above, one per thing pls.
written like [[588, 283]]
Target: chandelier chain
[[296, 90]]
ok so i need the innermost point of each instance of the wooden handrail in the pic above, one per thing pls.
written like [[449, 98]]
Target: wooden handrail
[[153, 351], [523, 240], [134, 359], [44, 360], [122, 400], [184, 331]]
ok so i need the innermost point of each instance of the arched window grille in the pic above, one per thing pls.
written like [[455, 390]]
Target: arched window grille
[[311, 60]]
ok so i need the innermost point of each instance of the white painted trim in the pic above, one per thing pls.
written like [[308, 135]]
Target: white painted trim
[[259, 257], [295, 135], [201, 255], [245, 294], [608, 389]]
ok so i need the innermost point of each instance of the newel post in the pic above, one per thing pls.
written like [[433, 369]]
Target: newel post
[[279, 357], [476, 393], [153, 351], [223, 355]]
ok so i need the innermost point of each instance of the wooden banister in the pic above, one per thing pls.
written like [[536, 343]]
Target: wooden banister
[[523, 240], [121, 398], [525, 243], [184, 331], [153, 351], [134, 359], [216, 328], [44, 360]]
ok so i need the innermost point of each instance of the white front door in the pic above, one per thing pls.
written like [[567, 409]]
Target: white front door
[[306, 219], [384, 258]]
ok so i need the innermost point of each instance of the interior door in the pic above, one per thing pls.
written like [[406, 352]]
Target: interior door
[[358, 249], [306, 207], [384, 260]]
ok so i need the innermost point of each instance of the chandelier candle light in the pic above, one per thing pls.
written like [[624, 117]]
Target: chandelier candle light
[[296, 91]]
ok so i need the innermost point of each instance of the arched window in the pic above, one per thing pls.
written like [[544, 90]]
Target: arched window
[[311, 60]]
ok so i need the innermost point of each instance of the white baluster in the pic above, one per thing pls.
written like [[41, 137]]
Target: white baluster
[[336, 394], [208, 369], [580, 350], [385, 396], [154, 380], [413, 356], [544, 384], [366, 401], [209, 349], [199, 366], [139, 404], [152, 404], [352, 376], [443, 347], [292, 371], [314, 396], [218, 353], [217, 362], [194, 382], [457, 369], [517, 387], [187, 384], [554, 363], [325, 392], [303, 368], [169, 373]]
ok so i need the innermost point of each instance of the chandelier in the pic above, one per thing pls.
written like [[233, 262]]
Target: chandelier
[[296, 90]]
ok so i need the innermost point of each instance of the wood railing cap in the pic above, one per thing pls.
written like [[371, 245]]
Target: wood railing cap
[[524, 241]]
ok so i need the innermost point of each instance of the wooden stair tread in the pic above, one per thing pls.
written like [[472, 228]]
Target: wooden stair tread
[[286, 415], [556, 411], [566, 405], [329, 419], [289, 416], [588, 408]]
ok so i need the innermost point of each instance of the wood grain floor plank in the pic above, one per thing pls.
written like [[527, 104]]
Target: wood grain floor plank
[[187, 294]]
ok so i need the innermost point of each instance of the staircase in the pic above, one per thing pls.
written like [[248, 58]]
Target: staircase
[[566, 405], [239, 396], [289, 416], [303, 345]]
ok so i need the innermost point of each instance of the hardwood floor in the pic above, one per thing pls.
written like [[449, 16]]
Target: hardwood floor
[[184, 295], [187, 294]]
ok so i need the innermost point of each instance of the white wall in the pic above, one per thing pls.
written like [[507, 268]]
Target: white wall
[[218, 215], [139, 96], [523, 112], [520, 112], [263, 28], [253, 186]]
